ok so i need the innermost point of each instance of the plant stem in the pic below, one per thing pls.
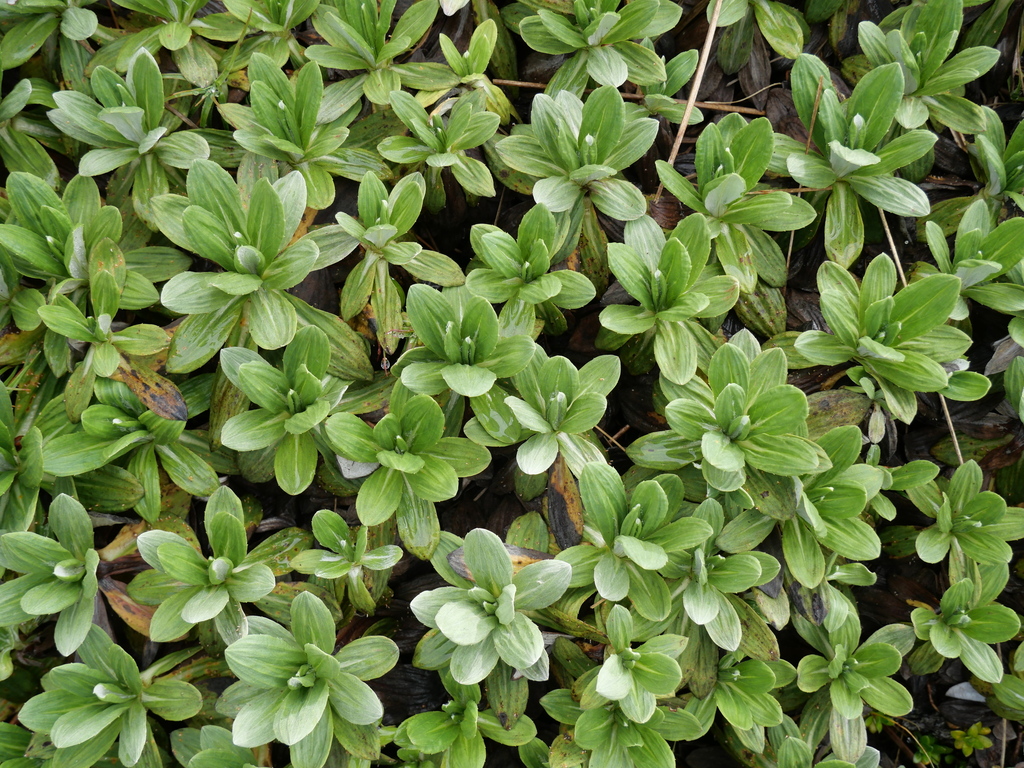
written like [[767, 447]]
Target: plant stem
[[698, 78], [903, 280]]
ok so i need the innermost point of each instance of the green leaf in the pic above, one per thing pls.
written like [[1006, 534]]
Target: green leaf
[[887, 696], [272, 319], [647, 555], [780, 27], [468, 380], [518, 643], [84, 723], [312, 622], [172, 699], [253, 430], [264, 661], [540, 584], [487, 560], [379, 496], [898, 196], [295, 463], [611, 577], [432, 732], [918, 306]]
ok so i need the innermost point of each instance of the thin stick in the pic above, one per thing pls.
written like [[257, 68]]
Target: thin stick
[[698, 78], [714, 106], [949, 426], [814, 113], [892, 247], [1002, 750], [180, 116], [903, 280], [611, 439]]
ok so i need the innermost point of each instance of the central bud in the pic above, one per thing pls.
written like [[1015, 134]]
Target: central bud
[[219, 570]]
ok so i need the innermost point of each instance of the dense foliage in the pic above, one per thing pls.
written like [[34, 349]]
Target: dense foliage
[[367, 402]]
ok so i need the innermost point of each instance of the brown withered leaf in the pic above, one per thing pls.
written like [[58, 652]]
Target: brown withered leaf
[[156, 392], [134, 615], [563, 506], [807, 602], [124, 542], [15, 345]]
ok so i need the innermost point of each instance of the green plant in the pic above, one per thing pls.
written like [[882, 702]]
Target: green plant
[[276, 19], [821, 509], [21, 471], [210, 747], [670, 279], [358, 39], [88, 706], [932, 84], [254, 248], [462, 350], [197, 589], [559, 404], [468, 70], [70, 242], [930, 751], [780, 24], [119, 425], [982, 254], [732, 156], [436, 144], [969, 522], [294, 688], [999, 166], [382, 232], [853, 676], [964, 627], [107, 349], [852, 156], [19, 148], [304, 134], [600, 36], [485, 622], [710, 579], [901, 341], [131, 132], [516, 272], [457, 731], [180, 35], [635, 678], [782, 464], [344, 558], [293, 401], [611, 738], [744, 415], [631, 541], [975, 737], [658, 97], [577, 150], [742, 693], [34, 23], [417, 466], [60, 574]]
